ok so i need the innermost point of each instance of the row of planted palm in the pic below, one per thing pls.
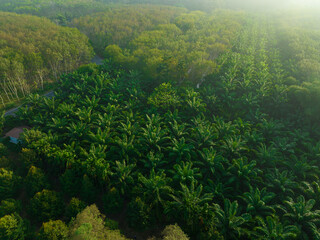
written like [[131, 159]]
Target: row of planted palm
[[169, 157], [250, 80]]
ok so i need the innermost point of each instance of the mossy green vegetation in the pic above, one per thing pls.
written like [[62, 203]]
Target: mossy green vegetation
[[34, 52]]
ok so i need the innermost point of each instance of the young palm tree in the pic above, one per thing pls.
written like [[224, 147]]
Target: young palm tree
[[303, 168], [180, 150], [185, 173], [281, 183], [273, 229], [77, 132], [203, 133], [91, 103], [101, 136], [229, 221], [153, 161], [190, 205], [242, 173], [178, 130], [212, 163], [122, 176], [302, 215], [153, 136], [234, 146], [257, 202], [312, 191], [155, 189], [49, 104], [34, 100], [267, 156], [94, 161]]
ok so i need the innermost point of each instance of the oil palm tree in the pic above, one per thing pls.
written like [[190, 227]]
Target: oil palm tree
[[77, 131], [154, 161], [267, 156], [91, 103], [86, 115], [312, 191], [203, 133], [283, 183], [242, 173], [272, 229], [303, 168], [257, 201], [301, 214], [191, 205], [153, 136], [230, 222], [95, 164], [178, 130], [223, 128], [219, 189], [234, 146], [123, 176], [180, 150], [185, 173], [211, 162], [101, 136], [155, 189]]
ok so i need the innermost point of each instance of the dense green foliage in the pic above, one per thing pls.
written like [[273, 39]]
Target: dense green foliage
[[164, 44], [205, 120], [34, 51], [122, 24], [11, 227]]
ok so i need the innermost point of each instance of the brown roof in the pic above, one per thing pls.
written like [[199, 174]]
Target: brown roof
[[15, 133]]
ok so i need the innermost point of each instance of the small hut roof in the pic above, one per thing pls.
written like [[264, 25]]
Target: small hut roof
[[16, 132]]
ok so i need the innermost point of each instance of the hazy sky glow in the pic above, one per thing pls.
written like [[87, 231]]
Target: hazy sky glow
[[304, 2], [278, 4]]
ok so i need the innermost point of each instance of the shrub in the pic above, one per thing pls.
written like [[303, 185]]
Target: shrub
[[5, 162], [8, 183], [10, 206], [88, 190], [70, 182], [36, 181], [53, 230], [28, 157], [46, 205], [111, 224], [89, 224], [112, 201], [11, 227], [3, 150], [74, 207], [138, 214], [174, 232]]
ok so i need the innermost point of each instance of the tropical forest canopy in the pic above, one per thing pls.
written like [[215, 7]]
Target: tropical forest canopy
[[34, 50], [198, 124]]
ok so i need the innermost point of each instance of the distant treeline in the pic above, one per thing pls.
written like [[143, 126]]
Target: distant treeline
[[59, 11], [164, 43]]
